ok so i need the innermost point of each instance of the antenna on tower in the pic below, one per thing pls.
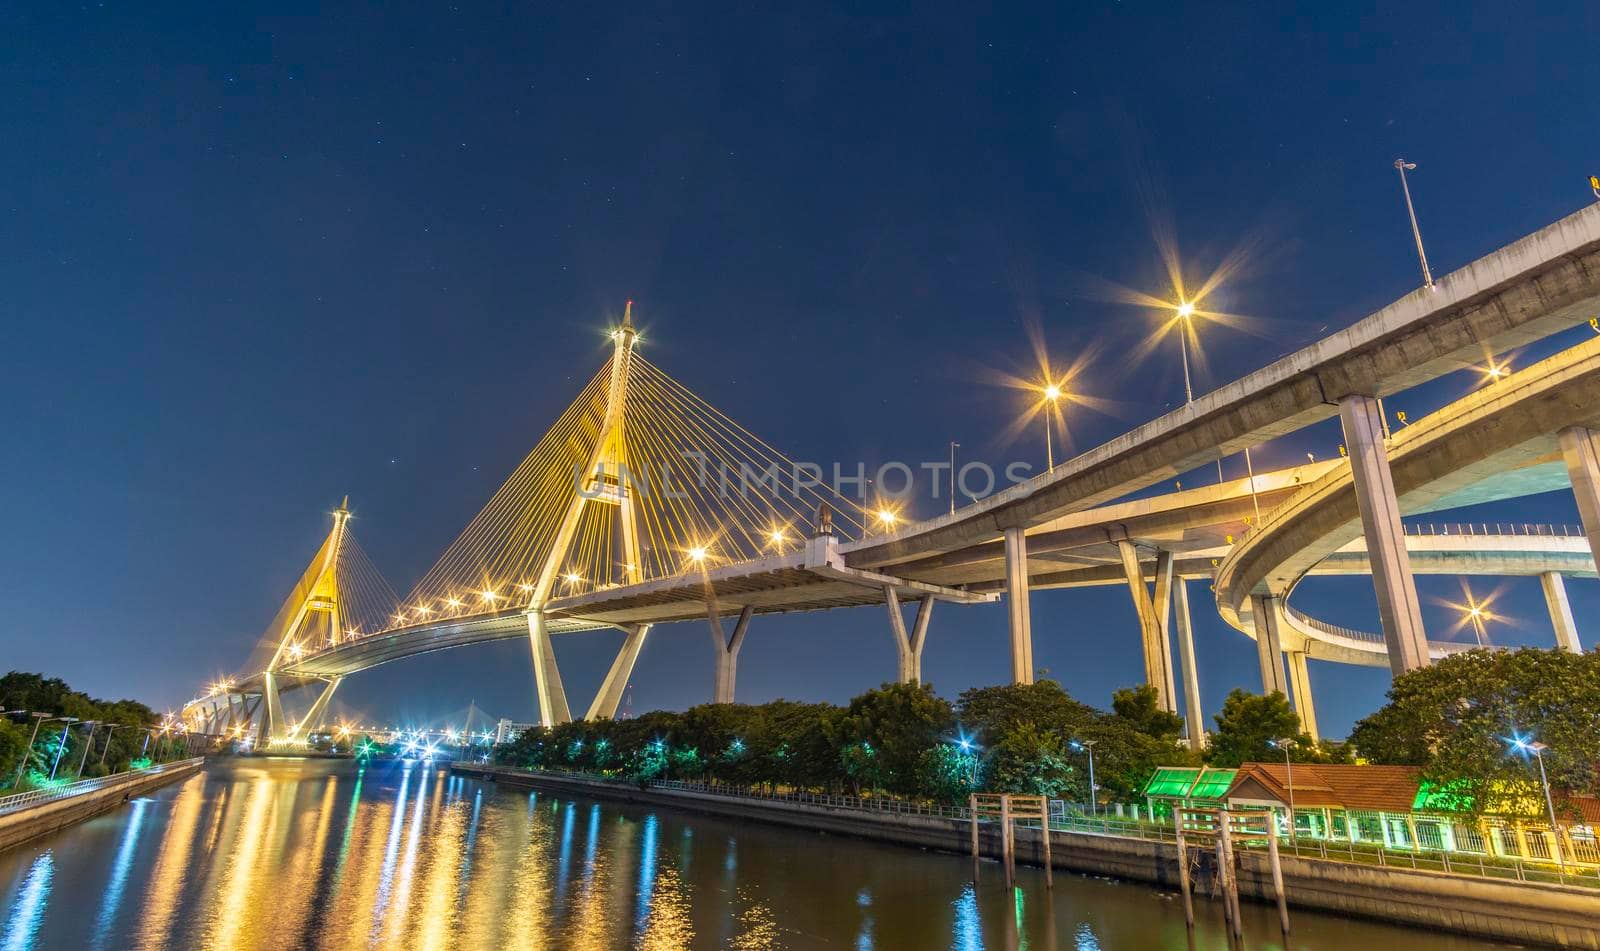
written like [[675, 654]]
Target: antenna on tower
[[627, 316]]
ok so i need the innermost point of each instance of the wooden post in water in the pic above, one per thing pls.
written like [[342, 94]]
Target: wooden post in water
[[1225, 830], [972, 808], [1183, 868], [1277, 871], [1007, 845], [1044, 834], [1222, 882]]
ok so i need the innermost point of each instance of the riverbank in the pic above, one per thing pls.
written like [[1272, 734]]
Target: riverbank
[[47, 811], [1525, 913]]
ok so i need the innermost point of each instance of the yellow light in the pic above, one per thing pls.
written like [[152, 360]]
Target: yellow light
[[777, 536], [400, 618], [453, 602], [424, 610], [1185, 310], [697, 554], [524, 587], [1052, 392], [296, 650], [571, 578], [887, 517], [487, 595]]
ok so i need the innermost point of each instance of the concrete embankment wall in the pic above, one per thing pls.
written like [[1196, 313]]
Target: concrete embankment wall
[[46, 817], [1525, 913]]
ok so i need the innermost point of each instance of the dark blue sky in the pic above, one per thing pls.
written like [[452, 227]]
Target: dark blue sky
[[252, 263]]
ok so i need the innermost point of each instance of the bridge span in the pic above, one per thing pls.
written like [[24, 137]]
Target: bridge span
[[550, 555]]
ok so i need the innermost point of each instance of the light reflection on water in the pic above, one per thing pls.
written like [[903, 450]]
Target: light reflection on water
[[285, 853]]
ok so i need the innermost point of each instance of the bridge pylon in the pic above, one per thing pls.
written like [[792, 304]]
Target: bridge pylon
[[606, 480], [317, 596]]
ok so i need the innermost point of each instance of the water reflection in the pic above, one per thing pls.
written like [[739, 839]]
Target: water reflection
[[276, 853]]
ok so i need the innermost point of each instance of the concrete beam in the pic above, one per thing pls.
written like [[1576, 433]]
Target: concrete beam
[[1555, 598], [908, 647], [1157, 661], [1398, 606], [1017, 618]]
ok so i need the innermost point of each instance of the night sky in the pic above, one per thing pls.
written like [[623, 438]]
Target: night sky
[[253, 263]]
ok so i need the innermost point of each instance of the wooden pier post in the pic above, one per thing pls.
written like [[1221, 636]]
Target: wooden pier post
[[1007, 843], [1277, 871], [972, 809], [1183, 868]]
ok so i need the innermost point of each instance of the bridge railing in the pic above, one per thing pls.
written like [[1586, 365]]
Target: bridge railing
[[1333, 629], [1520, 529], [33, 797]]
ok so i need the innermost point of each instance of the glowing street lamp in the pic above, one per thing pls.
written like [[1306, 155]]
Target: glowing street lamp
[[1185, 328], [1088, 747], [1052, 396], [1537, 749]]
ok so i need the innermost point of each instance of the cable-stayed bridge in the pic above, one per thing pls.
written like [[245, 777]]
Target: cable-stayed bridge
[[643, 505]]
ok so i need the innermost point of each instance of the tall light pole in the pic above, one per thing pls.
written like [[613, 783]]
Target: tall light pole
[[1538, 748], [27, 751], [1088, 746], [953, 447], [1288, 767], [1403, 166], [1185, 314], [1052, 395], [66, 730], [88, 743]]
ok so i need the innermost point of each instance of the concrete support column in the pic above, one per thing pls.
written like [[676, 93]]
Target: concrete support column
[[908, 648], [1161, 598], [552, 697], [1017, 606], [1583, 469], [609, 696], [1303, 704], [1386, 543], [1269, 642], [1555, 597], [319, 708], [1157, 655], [1191, 677], [272, 726], [727, 653]]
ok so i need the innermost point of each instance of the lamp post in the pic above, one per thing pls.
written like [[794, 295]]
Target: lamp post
[[66, 729], [1403, 166], [1537, 749], [1288, 767], [1088, 747], [27, 751], [1185, 314], [1052, 395], [953, 447], [88, 743]]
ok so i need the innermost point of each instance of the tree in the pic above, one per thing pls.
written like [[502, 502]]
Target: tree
[[1030, 760], [1140, 708], [1459, 717], [992, 712], [898, 722], [1249, 723]]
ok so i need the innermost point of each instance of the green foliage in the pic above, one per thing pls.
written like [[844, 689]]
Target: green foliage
[[36, 693], [1457, 719], [897, 738], [899, 723], [13, 739], [1248, 725], [1034, 761]]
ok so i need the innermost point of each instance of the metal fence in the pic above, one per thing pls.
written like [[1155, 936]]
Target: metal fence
[[18, 801], [1522, 529], [1065, 817]]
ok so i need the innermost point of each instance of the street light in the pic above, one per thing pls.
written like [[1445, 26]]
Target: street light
[[1403, 166], [953, 447], [88, 743], [27, 751], [65, 729], [1537, 749], [1288, 767], [1052, 395], [1088, 746]]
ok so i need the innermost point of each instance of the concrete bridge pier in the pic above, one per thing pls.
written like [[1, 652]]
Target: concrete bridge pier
[[1268, 611], [1386, 543], [1300, 676], [552, 696], [1583, 469], [1191, 678], [1555, 597], [908, 648], [1017, 606], [609, 696], [727, 652], [1152, 619]]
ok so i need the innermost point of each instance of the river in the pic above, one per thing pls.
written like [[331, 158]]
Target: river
[[283, 853]]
